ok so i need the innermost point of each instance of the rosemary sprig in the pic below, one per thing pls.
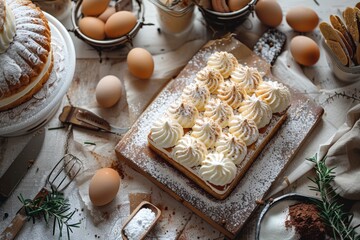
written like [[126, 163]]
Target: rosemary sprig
[[331, 211], [54, 205]]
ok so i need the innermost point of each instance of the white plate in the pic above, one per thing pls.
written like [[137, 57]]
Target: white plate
[[43, 105]]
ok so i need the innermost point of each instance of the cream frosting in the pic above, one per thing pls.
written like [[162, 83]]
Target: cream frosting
[[248, 78], [219, 111], [224, 62], [210, 77], [275, 94], [197, 94], [218, 169], [8, 28], [184, 113], [189, 151], [28, 88], [255, 109], [232, 147], [230, 93], [243, 128], [207, 131], [166, 132]]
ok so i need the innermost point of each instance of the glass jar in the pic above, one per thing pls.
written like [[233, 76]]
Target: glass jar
[[175, 19]]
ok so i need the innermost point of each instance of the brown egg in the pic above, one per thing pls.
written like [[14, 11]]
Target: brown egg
[[108, 91], [304, 50], [119, 24], [94, 7], [140, 63], [236, 5], [302, 19], [104, 186], [92, 27], [104, 16], [269, 12]]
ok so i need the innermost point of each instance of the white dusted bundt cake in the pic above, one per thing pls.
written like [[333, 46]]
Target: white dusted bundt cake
[[25, 51]]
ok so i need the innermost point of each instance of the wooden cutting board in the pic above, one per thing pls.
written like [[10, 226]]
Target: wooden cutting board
[[230, 214]]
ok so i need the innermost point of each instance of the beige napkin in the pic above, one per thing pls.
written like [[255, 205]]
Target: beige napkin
[[343, 154]]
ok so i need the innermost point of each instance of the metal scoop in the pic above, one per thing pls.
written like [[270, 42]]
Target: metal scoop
[[60, 177]]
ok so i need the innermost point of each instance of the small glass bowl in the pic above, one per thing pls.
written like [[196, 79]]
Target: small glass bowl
[[108, 43], [343, 73], [228, 20], [174, 20]]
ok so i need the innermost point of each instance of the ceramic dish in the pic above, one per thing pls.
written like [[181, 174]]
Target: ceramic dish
[[273, 211], [36, 112], [142, 205], [343, 73], [108, 43]]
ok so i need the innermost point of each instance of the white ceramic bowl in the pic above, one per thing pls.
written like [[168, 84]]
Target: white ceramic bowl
[[343, 73]]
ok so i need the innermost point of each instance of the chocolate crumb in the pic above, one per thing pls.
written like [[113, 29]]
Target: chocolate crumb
[[6, 215], [307, 222]]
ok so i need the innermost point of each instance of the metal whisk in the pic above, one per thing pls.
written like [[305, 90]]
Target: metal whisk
[[60, 177]]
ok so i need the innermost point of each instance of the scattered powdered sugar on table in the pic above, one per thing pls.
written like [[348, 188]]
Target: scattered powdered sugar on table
[[139, 224]]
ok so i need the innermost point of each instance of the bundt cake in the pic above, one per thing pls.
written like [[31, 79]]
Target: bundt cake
[[25, 51]]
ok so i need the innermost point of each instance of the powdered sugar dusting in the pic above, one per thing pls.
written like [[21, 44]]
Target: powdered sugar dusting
[[28, 111], [231, 213]]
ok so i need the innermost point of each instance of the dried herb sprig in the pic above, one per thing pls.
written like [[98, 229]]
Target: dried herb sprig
[[331, 211], [55, 206]]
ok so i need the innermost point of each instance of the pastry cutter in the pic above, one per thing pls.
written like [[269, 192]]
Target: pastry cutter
[[86, 119]]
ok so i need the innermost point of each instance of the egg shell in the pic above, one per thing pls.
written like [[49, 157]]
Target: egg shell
[[119, 24], [108, 91], [92, 27], [304, 50], [236, 5], [302, 19], [269, 12], [140, 63], [94, 7], [104, 16], [104, 186]]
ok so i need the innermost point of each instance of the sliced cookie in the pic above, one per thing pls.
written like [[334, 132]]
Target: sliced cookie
[[338, 24], [335, 43], [350, 19]]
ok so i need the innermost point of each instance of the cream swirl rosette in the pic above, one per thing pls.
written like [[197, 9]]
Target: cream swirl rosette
[[7, 26], [248, 78], [257, 110], [196, 94], [165, 132], [244, 129], [218, 169], [218, 111], [275, 94], [189, 151], [184, 113], [230, 93], [210, 77], [207, 131], [224, 62], [232, 147]]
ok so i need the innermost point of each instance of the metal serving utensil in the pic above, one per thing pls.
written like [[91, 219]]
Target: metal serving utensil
[[60, 177], [84, 118]]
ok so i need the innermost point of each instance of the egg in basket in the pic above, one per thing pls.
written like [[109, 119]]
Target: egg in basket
[[107, 24]]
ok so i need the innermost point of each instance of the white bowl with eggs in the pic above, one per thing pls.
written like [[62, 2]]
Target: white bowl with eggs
[[107, 42]]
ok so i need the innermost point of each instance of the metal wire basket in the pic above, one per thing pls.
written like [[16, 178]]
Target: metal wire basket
[[108, 43], [227, 20]]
